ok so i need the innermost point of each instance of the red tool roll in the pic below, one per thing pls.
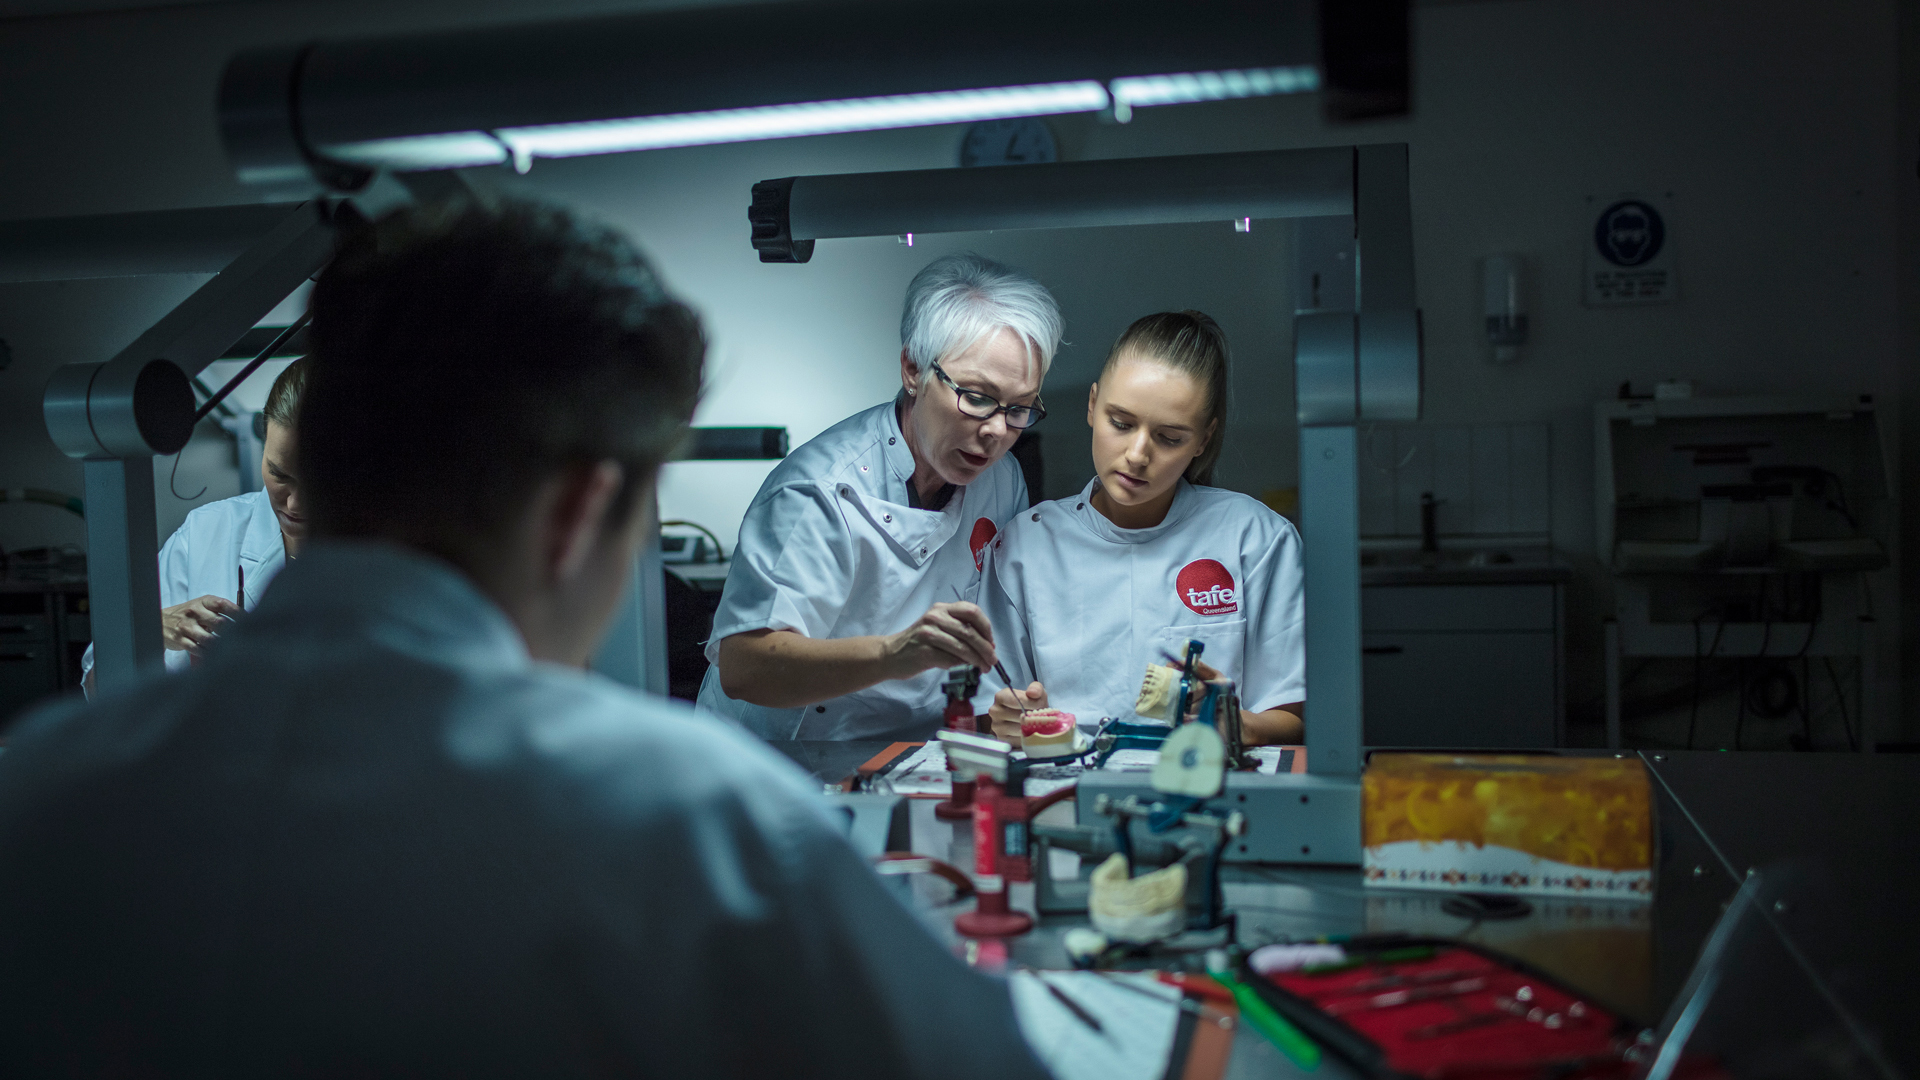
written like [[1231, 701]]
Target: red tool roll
[[1434, 1009]]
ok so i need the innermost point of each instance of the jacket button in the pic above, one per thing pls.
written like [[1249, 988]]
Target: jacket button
[[819, 708], [1036, 517], [1079, 506], [889, 440], [886, 517]]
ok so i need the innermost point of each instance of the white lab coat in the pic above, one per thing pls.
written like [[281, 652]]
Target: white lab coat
[[1084, 606], [368, 836], [207, 554], [830, 549]]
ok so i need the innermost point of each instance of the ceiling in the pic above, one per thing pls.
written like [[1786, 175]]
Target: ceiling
[[27, 9]]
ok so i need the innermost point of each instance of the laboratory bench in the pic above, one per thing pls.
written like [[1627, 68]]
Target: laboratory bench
[[1830, 837]]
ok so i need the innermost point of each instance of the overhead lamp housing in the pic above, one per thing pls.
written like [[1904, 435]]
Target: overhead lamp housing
[[333, 113]]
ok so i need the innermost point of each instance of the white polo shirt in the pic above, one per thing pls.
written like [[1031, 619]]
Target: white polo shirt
[[830, 549], [1083, 605]]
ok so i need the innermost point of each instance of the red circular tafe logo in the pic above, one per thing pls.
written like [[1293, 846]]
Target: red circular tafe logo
[[983, 531], [1206, 587]]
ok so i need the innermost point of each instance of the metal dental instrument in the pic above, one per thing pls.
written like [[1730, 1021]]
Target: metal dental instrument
[[998, 668], [1073, 1006]]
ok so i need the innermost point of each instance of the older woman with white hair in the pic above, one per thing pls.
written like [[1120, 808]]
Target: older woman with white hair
[[858, 562]]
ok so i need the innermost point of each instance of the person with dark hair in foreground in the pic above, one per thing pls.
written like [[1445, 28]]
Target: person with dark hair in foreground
[[388, 827]]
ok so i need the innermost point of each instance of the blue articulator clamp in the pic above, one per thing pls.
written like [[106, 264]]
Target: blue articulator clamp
[[1116, 735]]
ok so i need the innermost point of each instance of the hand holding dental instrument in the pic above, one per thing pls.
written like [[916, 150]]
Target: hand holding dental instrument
[[998, 668]]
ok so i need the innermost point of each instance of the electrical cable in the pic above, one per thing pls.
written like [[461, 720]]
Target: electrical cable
[[1806, 702], [1839, 500], [1766, 640], [719, 554], [1840, 699], [175, 475], [1740, 700], [1693, 714], [1693, 717], [1806, 669], [1773, 693]]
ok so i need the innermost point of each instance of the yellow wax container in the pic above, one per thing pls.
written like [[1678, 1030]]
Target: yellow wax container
[[1560, 826]]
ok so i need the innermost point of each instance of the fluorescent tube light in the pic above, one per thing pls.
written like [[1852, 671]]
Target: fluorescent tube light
[[1141, 91], [521, 145], [418, 153], [813, 118]]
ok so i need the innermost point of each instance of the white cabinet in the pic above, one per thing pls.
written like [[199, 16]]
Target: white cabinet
[[1463, 666]]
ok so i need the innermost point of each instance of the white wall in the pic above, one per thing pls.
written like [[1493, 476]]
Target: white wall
[[1772, 125]]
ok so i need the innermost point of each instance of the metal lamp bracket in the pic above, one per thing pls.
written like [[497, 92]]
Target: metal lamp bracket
[[1353, 367]]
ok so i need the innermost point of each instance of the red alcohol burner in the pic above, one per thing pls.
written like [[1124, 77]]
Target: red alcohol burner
[[999, 855], [962, 682], [1002, 846]]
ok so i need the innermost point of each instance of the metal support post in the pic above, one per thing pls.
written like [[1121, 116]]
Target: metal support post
[[123, 573], [1331, 509], [635, 649]]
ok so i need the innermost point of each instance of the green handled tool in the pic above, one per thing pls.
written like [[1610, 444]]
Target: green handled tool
[[1277, 1029]]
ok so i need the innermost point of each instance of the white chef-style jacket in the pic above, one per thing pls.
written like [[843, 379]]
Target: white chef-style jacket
[[830, 549], [207, 554], [369, 836], [1083, 605]]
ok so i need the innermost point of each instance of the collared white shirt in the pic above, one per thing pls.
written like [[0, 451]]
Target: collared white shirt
[[830, 549], [369, 836], [209, 552], [1083, 605]]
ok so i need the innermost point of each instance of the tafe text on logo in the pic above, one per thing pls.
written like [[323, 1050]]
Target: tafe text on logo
[[1206, 587]]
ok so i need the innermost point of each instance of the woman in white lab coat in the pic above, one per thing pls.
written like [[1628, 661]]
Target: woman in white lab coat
[[217, 563], [1085, 591], [857, 564]]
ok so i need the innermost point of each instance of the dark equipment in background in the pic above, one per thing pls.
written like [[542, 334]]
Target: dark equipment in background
[[1365, 59], [43, 622], [736, 444], [1741, 534], [690, 599]]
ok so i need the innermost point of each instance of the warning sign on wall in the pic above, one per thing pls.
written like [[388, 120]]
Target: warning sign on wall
[[1629, 254]]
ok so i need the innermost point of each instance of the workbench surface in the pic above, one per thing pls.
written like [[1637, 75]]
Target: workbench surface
[[1833, 836]]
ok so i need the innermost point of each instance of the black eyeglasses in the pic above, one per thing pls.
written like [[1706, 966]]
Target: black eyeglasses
[[979, 406]]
